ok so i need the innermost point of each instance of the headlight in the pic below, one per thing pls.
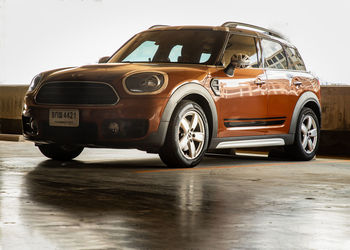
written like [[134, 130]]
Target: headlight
[[145, 83], [34, 83]]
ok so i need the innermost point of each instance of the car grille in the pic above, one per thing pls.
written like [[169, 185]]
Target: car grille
[[84, 93]]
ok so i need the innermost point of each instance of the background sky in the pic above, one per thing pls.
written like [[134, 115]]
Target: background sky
[[39, 35]]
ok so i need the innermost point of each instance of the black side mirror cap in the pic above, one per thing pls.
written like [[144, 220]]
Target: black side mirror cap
[[103, 59], [229, 70]]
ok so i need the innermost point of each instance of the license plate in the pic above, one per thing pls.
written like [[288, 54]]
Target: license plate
[[64, 117]]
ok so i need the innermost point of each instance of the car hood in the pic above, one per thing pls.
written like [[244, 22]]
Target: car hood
[[114, 72]]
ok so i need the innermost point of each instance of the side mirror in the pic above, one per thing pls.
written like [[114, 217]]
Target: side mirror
[[237, 61], [103, 59]]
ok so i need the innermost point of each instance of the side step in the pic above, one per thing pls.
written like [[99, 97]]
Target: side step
[[252, 143]]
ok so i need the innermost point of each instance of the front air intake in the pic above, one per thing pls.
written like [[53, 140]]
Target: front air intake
[[80, 93]]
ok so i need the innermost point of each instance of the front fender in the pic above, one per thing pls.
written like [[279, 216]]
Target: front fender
[[184, 91]]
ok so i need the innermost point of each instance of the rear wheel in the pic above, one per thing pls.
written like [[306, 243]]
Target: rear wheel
[[187, 137], [60, 152], [307, 136]]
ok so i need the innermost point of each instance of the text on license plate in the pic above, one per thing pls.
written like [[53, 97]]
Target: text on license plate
[[64, 117]]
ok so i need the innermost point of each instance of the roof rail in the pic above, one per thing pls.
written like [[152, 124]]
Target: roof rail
[[266, 31], [157, 26]]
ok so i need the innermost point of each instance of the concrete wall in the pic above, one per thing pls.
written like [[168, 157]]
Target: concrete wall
[[335, 107], [335, 133], [11, 102]]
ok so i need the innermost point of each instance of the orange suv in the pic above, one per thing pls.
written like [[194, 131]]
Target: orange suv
[[180, 91]]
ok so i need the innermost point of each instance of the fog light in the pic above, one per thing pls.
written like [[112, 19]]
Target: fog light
[[34, 126], [114, 127]]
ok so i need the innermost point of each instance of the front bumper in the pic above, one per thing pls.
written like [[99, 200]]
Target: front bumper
[[139, 125]]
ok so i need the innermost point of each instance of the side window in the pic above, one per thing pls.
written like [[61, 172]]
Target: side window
[[273, 54], [243, 46], [143, 53], [294, 59]]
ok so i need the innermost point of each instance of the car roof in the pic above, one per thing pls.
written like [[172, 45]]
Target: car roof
[[236, 27]]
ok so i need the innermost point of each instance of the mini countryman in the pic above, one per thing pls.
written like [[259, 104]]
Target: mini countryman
[[179, 91]]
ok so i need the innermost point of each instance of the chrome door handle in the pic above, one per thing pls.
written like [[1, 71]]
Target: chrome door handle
[[297, 83], [259, 82]]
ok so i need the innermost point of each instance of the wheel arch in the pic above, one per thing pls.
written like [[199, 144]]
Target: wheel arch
[[307, 99], [199, 94]]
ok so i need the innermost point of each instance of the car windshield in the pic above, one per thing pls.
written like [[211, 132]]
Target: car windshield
[[173, 46]]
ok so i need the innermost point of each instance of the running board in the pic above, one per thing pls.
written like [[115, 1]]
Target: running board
[[252, 143]]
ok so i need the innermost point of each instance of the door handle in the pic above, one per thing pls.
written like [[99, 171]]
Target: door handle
[[297, 83], [259, 82]]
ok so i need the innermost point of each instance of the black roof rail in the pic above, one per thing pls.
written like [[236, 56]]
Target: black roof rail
[[157, 26], [266, 31]]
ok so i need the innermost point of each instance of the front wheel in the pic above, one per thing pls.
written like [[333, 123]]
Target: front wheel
[[60, 152], [307, 136], [187, 137]]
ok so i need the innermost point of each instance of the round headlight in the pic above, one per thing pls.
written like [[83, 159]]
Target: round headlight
[[145, 82], [34, 83]]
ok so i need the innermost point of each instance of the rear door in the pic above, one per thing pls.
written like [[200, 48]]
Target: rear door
[[282, 96], [286, 81]]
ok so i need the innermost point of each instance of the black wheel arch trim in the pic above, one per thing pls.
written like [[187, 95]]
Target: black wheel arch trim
[[303, 100], [182, 92]]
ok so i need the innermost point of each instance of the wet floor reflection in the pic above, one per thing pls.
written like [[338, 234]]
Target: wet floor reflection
[[101, 203], [109, 207]]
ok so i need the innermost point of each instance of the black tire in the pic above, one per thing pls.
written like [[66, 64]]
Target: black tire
[[60, 152], [185, 149], [305, 130]]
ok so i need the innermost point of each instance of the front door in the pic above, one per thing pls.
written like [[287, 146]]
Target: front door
[[243, 97]]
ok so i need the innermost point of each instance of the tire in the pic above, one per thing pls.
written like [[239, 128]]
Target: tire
[[60, 152], [187, 137], [307, 136]]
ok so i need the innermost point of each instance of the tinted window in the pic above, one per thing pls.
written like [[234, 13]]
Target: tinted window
[[244, 45], [273, 54], [177, 46], [294, 59]]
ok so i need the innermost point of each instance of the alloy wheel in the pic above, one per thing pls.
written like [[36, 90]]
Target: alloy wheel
[[191, 132], [308, 134]]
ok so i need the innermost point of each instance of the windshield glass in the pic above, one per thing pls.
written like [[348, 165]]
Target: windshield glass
[[173, 46]]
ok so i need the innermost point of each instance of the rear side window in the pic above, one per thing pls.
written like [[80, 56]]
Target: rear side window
[[273, 53], [295, 61]]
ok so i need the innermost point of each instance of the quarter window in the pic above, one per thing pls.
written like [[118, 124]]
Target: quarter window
[[294, 59], [273, 54]]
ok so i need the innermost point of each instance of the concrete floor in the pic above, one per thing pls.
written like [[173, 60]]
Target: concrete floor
[[126, 199]]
